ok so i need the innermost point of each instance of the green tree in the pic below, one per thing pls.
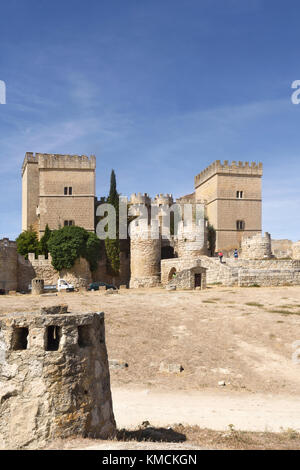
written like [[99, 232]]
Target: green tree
[[71, 242], [211, 237], [43, 245], [27, 242], [112, 246]]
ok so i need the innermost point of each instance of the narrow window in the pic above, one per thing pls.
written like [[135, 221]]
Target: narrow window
[[240, 225], [53, 335], [65, 190], [84, 336], [70, 190], [19, 339], [239, 194]]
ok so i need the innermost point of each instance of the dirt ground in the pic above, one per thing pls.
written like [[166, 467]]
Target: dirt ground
[[243, 336], [240, 336]]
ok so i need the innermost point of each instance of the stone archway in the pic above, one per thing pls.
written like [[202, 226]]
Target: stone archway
[[171, 274]]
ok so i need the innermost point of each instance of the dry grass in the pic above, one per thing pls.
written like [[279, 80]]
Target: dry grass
[[190, 436]]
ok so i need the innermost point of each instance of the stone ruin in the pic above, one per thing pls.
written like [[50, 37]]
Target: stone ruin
[[54, 377]]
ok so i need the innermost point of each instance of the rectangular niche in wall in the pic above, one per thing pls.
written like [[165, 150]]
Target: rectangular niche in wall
[[53, 336], [19, 338], [84, 336]]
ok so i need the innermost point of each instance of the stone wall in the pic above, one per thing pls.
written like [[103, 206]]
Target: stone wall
[[80, 275], [282, 248], [186, 279], [256, 247], [54, 378], [176, 265], [8, 265], [272, 272], [296, 250]]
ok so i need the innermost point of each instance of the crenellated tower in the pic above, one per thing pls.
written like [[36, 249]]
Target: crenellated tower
[[233, 200], [58, 190]]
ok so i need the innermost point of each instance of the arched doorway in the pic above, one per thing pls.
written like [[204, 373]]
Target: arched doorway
[[172, 274]]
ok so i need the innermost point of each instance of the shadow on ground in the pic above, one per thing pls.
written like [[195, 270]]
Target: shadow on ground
[[150, 434]]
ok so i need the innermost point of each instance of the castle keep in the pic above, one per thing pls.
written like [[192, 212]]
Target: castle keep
[[233, 200], [58, 190]]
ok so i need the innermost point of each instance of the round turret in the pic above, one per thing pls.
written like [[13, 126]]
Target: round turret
[[257, 247], [145, 254]]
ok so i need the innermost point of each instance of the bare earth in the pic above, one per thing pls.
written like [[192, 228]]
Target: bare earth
[[242, 336]]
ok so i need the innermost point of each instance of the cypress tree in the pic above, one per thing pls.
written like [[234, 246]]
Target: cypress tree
[[112, 246]]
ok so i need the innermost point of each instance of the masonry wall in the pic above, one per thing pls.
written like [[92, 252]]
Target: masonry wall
[[8, 265], [80, 275], [241, 272], [30, 191], [256, 247]]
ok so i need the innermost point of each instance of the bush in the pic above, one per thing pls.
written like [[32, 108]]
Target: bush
[[70, 243], [27, 242]]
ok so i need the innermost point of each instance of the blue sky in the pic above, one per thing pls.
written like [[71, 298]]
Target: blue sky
[[157, 90]]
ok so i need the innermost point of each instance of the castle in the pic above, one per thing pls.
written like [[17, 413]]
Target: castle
[[59, 190]]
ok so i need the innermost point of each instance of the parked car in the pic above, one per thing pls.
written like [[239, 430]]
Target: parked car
[[61, 285], [96, 285]]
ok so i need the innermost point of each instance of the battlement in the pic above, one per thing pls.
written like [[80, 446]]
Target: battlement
[[235, 168], [140, 198], [164, 199], [57, 161]]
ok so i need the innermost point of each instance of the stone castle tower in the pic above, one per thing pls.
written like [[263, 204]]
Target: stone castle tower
[[58, 190], [233, 200]]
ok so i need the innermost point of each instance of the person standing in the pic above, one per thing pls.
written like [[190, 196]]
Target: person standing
[[220, 254], [236, 254]]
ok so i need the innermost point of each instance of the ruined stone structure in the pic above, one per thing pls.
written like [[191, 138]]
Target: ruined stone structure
[[54, 377], [37, 286], [58, 190], [184, 273], [296, 250], [257, 247], [233, 200]]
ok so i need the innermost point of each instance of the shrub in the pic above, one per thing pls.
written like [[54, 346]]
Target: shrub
[[72, 242], [27, 242]]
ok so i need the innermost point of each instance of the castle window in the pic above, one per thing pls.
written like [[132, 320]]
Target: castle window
[[239, 194], [19, 339], [53, 337], [240, 225], [68, 223], [68, 190]]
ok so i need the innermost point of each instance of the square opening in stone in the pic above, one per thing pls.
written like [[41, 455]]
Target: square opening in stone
[[19, 338], [84, 336], [53, 337]]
